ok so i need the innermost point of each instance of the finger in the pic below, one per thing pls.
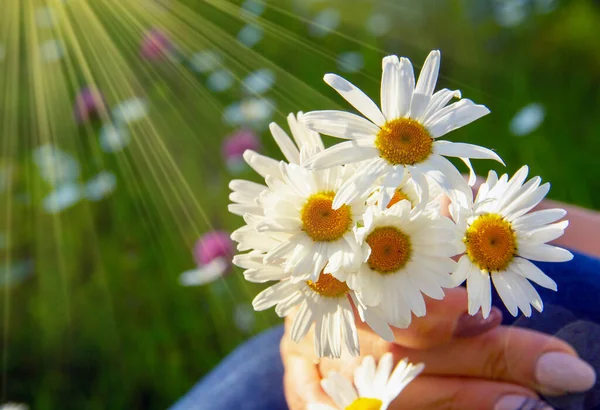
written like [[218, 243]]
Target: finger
[[445, 320], [301, 383], [521, 356], [437, 393]]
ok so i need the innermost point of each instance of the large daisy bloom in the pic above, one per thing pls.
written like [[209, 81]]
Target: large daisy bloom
[[324, 303], [406, 254], [500, 237], [374, 388], [400, 137], [245, 195], [318, 237]]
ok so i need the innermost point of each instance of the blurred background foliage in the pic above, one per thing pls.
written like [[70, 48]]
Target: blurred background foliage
[[93, 315]]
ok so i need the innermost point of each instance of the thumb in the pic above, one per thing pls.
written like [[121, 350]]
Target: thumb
[[445, 319], [302, 383]]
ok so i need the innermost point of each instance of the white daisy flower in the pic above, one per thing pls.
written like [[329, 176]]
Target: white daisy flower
[[402, 136], [500, 238], [375, 387], [318, 236], [246, 193], [326, 303], [407, 253]]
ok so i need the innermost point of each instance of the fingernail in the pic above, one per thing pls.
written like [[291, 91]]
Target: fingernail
[[469, 326], [560, 373], [521, 403]]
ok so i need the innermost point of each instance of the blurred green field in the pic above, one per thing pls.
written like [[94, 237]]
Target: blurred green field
[[93, 316]]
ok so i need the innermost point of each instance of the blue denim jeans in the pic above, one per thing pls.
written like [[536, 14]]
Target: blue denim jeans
[[250, 378]]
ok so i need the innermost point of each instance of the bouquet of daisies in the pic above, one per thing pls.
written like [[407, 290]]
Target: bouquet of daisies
[[357, 229]]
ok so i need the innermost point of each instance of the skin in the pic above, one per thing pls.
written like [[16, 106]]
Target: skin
[[460, 373]]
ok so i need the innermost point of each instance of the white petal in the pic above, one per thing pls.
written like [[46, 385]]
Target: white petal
[[264, 274], [297, 178], [384, 369], [413, 296], [204, 274], [526, 202], [455, 116], [514, 187], [390, 184], [344, 389], [437, 102], [505, 289], [421, 186], [333, 326], [356, 97], [406, 87], [282, 250], [538, 218], [379, 326], [349, 332], [403, 374], [544, 253], [528, 294], [460, 149], [304, 137], [341, 154], [273, 295], [360, 183], [445, 174], [322, 341], [364, 376], [302, 322], [285, 307], [520, 292], [429, 74], [544, 234], [475, 289], [263, 165], [419, 105], [427, 285], [241, 210], [336, 387], [287, 147], [340, 124], [472, 175], [394, 306], [249, 189], [486, 296], [319, 258], [390, 80], [533, 273]]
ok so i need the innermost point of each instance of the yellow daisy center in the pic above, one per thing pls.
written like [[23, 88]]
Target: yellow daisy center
[[322, 223], [364, 403], [404, 142], [390, 249], [328, 286], [398, 196], [491, 242]]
